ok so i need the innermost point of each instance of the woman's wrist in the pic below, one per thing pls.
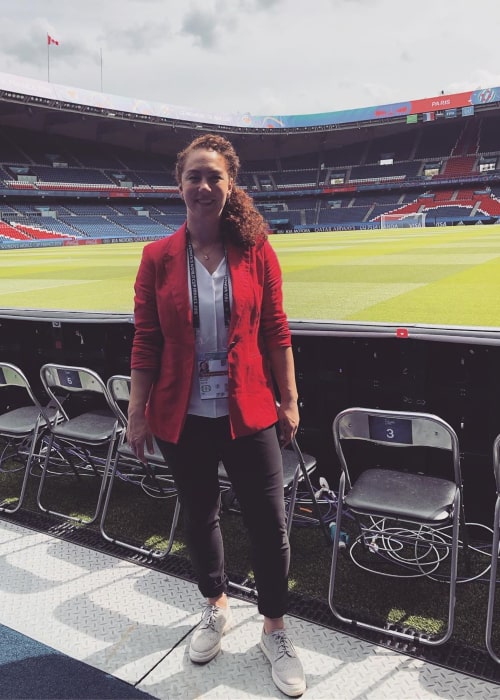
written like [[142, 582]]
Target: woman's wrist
[[136, 411], [289, 400]]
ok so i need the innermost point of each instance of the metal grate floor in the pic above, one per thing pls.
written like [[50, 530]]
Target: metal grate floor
[[63, 586]]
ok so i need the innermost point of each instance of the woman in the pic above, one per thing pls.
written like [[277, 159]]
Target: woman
[[211, 335]]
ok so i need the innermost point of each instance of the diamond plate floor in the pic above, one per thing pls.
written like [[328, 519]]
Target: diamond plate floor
[[134, 623]]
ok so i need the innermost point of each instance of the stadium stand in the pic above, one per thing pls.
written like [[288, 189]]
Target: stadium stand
[[344, 178]]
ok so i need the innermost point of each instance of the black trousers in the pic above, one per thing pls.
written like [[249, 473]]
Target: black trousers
[[254, 466]]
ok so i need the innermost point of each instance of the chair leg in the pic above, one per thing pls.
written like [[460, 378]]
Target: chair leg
[[37, 433], [457, 508], [319, 514], [493, 584], [335, 552], [291, 502], [43, 476], [146, 551], [51, 446], [465, 535], [17, 457], [104, 478], [245, 587]]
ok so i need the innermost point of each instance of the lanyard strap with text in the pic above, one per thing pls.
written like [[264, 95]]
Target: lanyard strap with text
[[194, 289]]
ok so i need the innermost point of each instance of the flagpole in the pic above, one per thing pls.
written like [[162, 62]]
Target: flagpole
[[50, 40], [101, 69]]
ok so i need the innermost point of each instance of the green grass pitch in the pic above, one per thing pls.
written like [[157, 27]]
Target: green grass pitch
[[437, 276]]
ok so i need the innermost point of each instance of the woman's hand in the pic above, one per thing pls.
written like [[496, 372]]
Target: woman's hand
[[288, 411], [138, 432], [288, 422], [139, 436]]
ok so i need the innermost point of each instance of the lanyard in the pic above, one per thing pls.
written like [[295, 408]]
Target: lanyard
[[194, 289]]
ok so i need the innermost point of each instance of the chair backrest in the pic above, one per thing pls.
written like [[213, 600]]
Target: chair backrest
[[496, 463], [396, 428], [61, 381], [119, 392], [118, 386], [13, 376]]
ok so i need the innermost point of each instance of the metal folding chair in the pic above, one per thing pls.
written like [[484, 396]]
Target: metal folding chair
[[23, 420], [297, 470], [152, 478], [81, 443], [494, 555], [403, 513]]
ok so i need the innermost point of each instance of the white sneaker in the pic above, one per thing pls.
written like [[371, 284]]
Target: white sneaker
[[206, 639], [287, 670]]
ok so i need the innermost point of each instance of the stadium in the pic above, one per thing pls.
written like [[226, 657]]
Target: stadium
[[405, 195]]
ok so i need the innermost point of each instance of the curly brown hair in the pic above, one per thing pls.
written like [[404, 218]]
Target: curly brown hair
[[241, 222]]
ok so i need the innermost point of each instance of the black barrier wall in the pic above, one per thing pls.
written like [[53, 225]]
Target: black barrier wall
[[454, 373]]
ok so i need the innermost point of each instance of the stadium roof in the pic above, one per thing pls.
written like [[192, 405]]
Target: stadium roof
[[156, 127]]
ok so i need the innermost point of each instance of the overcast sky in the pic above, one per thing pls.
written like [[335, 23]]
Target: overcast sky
[[276, 57]]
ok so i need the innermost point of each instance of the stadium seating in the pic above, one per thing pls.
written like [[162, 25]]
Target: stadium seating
[[397, 171], [438, 140], [489, 138], [399, 146], [97, 227], [433, 168], [7, 231], [295, 178], [458, 167], [78, 176]]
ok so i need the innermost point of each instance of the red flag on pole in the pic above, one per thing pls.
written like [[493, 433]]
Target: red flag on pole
[[51, 40]]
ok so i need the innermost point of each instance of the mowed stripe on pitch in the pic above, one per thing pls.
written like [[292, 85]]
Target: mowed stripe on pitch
[[438, 276]]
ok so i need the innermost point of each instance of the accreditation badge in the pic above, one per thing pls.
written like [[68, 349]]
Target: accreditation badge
[[213, 375]]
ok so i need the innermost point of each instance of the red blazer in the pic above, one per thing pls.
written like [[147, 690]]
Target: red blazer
[[164, 339]]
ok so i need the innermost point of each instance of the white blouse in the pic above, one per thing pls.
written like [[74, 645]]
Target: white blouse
[[212, 334]]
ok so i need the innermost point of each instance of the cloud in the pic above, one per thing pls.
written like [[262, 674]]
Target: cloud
[[144, 38], [201, 26], [262, 56], [207, 25]]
